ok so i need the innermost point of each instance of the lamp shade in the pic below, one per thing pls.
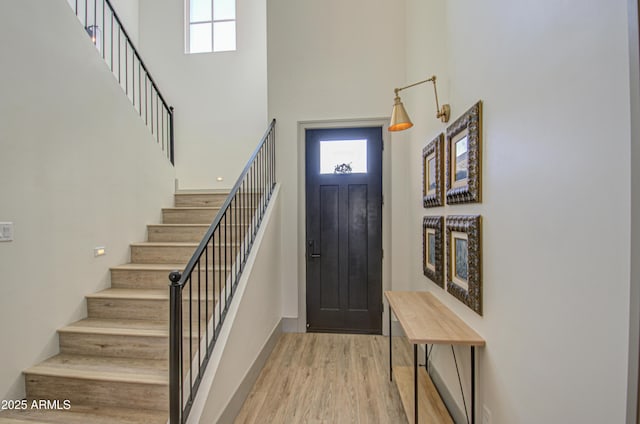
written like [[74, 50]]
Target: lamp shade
[[399, 118]]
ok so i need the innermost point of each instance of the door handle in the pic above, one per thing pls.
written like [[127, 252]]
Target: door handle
[[311, 248]]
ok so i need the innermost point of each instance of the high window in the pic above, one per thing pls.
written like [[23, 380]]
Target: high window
[[211, 26]]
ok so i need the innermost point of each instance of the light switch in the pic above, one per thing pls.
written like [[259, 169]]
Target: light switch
[[6, 231]]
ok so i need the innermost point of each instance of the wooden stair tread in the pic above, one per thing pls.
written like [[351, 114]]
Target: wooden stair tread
[[139, 294], [163, 268], [136, 294], [179, 225], [165, 244], [191, 192], [82, 414], [150, 267], [126, 370], [120, 327], [176, 244], [123, 327], [156, 267], [204, 208], [187, 208], [6, 418], [205, 226]]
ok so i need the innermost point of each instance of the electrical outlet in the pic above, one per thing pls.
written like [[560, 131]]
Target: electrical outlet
[[6, 231], [486, 415]]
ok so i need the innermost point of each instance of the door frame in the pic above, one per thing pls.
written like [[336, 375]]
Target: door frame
[[386, 207]]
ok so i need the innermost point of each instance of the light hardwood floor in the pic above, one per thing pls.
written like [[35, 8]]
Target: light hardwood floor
[[328, 378]]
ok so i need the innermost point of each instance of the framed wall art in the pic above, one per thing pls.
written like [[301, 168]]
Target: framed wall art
[[432, 249], [432, 173], [463, 165], [464, 259]]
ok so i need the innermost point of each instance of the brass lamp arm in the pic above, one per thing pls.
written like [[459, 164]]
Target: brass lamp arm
[[397, 90], [446, 110]]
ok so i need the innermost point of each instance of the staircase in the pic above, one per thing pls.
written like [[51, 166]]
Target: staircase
[[113, 365]]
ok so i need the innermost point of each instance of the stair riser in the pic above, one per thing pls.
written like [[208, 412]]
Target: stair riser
[[156, 310], [143, 279], [216, 199], [139, 279], [200, 216], [114, 346], [191, 234], [190, 216], [175, 234], [200, 200], [84, 414], [177, 254], [97, 392]]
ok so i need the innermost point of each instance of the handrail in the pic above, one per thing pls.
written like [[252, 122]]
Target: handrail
[[133, 47], [98, 12], [217, 262], [216, 222]]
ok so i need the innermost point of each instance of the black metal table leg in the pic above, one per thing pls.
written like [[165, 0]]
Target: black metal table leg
[[426, 358], [390, 349], [473, 385], [415, 383]]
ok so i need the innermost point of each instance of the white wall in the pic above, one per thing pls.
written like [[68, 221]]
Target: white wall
[[253, 317], [634, 298], [328, 60], [79, 170], [554, 78], [128, 12], [220, 99]]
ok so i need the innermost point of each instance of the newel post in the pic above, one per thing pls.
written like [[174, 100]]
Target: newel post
[[175, 336]]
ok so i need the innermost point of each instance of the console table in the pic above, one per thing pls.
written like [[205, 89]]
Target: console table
[[426, 320]]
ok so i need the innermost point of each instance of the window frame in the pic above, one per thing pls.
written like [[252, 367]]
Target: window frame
[[213, 22]]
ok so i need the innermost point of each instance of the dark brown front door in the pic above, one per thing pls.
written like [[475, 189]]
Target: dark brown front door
[[344, 230]]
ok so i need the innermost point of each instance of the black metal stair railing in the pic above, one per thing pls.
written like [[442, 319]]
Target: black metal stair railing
[[107, 33], [201, 295]]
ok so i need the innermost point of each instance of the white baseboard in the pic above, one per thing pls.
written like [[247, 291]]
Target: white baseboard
[[290, 325]]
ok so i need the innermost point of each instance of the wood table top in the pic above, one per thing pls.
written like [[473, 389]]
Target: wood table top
[[426, 320]]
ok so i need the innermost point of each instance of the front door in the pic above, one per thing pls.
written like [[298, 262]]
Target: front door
[[344, 229]]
